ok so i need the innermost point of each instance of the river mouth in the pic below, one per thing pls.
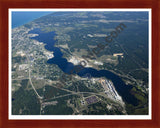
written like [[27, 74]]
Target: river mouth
[[66, 67]]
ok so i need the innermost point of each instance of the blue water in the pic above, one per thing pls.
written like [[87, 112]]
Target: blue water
[[65, 66], [23, 17]]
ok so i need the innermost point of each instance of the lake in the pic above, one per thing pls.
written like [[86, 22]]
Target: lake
[[66, 67]]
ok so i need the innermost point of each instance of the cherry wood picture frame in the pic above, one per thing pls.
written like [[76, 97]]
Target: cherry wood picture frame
[[105, 4]]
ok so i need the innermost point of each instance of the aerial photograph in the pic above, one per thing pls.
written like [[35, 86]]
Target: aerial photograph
[[79, 62]]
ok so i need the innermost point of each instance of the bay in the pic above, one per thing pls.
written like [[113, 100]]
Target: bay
[[22, 17]]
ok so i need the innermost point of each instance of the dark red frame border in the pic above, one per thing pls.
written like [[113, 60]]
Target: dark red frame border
[[6, 4]]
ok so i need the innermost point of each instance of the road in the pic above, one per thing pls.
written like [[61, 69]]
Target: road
[[30, 80]]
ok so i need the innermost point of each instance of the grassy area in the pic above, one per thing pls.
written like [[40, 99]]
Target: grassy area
[[141, 108]]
